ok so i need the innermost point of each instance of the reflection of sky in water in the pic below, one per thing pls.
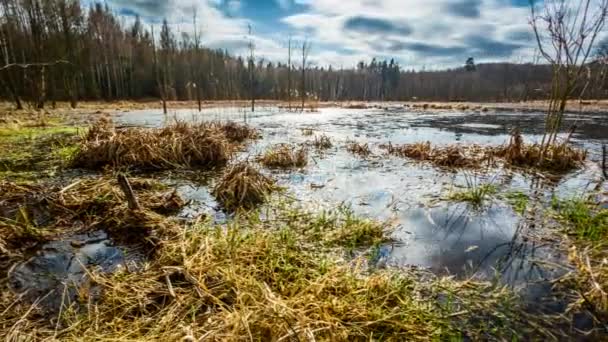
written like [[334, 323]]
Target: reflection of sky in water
[[446, 237]]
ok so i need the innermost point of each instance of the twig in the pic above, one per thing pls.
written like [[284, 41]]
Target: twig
[[29, 65]]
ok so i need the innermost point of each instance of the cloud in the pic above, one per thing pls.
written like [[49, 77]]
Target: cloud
[[375, 26], [464, 8]]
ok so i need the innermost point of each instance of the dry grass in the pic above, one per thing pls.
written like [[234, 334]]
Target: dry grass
[[322, 142], [307, 132], [452, 156], [283, 156], [359, 149], [274, 280], [203, 145], [243, 186], [558, 157]]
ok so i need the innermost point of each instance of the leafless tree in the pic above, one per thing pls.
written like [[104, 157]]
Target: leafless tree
[[305, 52], [565, 33]]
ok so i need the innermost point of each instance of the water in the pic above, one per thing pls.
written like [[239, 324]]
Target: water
[[451, 238]]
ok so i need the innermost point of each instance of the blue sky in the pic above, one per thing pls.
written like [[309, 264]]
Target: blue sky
[[429, 34]]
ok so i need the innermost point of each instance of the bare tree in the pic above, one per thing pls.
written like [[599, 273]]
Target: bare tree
[[251, 67], [289, 72], [565, 32], [305, 52]]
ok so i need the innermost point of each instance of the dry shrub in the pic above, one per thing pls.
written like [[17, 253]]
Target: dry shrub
[[181, 144], [452, 156], [243, 186], [359, 149], [284, 156], [322, 142], [558, 157], [307, 132]]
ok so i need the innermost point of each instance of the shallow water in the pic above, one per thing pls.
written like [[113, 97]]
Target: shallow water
[[430, 232]]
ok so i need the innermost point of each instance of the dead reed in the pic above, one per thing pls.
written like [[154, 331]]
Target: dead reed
[[556, 157], [243, 186], [359, 149], [283, 156], [452, 156], [181, 144]]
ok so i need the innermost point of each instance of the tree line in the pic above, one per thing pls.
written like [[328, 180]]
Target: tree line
[[54, 50]]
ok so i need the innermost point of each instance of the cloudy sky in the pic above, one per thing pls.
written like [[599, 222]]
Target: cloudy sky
[[429, 34]]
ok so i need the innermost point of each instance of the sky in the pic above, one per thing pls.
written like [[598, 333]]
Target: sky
[[419, 34]]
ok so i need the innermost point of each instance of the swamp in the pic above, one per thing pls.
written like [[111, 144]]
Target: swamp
[[374, 223]]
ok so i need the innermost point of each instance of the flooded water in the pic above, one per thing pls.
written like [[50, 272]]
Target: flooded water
[[431, 232]]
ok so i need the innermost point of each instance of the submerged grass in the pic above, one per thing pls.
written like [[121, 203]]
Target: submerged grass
[[518, 200], [243, 186], [275, 279], [181, 144], [284, 156]]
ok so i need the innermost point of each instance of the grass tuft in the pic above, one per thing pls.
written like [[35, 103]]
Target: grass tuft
[[322, 142], [243, 186], [204, 145], [284, 156], [359, 149]]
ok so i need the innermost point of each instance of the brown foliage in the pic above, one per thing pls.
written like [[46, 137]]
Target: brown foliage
[[285, 156], [243, 186]]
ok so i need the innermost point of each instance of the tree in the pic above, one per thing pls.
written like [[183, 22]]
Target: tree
[[565, 34], [305, 52], [470, 65]]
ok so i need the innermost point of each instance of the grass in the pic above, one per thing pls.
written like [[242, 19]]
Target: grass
[[274, 279], [179, 145], [284, 156], [243, 186], [307, 132], [359, 149], [475, 193], [322, 142], [557, 157], [451, 156], [587, 223], [518, 200]]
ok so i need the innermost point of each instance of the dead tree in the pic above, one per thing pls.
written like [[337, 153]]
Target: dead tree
[[305, 51], [251, 67]]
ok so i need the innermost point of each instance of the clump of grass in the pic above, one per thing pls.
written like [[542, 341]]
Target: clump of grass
[[359, 149], [284, 156], [588, 221], [237, 132], [181, 144], [475, 193], [307, 132], [558, 157], [322, 142], [452, 156], [243, 186], [273, 280]]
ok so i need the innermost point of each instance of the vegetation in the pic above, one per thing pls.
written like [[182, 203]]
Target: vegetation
[[557, 157], [452, 156], [476, 194], [284, 156], [204, 145], [243, 186], [233, 282], [359, 149], [588, 223], [87, 52], [322, 142], [518, 200]]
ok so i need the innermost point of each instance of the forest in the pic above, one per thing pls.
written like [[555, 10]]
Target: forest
[[60, 50]]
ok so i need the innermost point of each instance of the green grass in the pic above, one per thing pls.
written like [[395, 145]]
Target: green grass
[[476, 195], [585, 219], [518, 200]]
